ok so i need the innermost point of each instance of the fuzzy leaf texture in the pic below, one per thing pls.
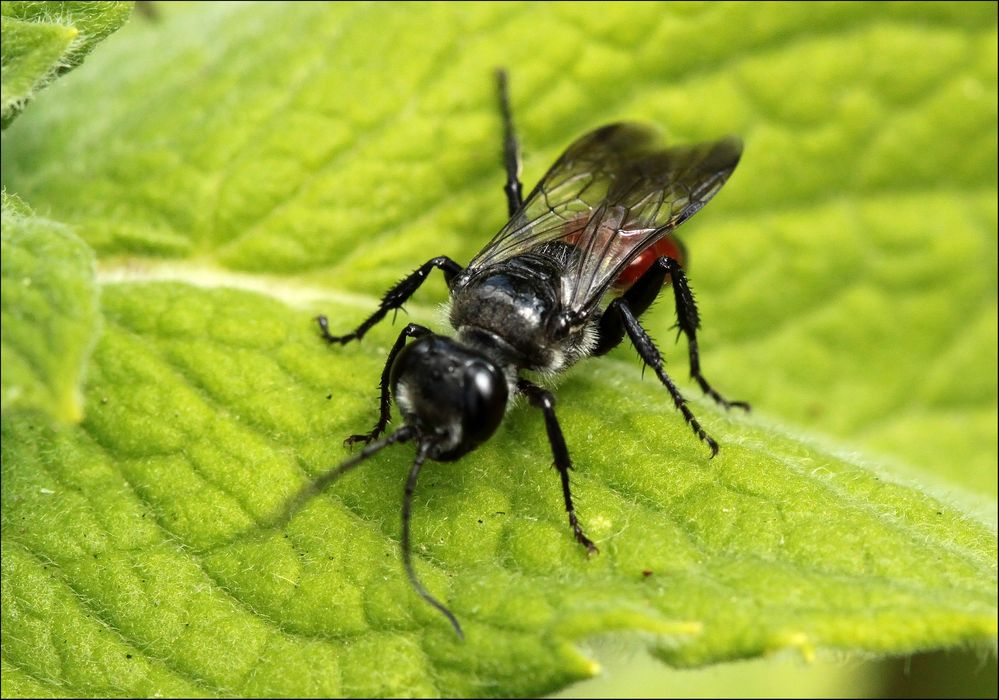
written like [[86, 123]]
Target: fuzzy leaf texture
[[43, 40], [49, 310], [238, 169]]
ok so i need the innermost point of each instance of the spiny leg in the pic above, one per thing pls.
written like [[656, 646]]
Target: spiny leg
[[511, 149], [639, 298], [544, 400], [394, 298], [407, 505], [649, 353], [413, 330], [688, 321]]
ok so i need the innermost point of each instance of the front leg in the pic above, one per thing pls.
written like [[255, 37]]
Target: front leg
[[546, 402], [650, 355], [411, 331], [394, 298]]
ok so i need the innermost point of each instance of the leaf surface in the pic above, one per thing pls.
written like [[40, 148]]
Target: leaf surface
[[846, 276], [50, 313], [43, 40]]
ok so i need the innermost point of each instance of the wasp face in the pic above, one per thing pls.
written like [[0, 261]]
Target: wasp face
[[452, 394]]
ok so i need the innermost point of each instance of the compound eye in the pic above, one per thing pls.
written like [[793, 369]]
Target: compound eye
[[485, 401]]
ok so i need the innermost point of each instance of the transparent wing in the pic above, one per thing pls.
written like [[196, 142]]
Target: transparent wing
[[613, 193]]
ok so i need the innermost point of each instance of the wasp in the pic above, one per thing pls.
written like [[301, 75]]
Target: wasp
[[581, 258]]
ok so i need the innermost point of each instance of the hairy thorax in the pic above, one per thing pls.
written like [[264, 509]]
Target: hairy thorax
[[514, 303]]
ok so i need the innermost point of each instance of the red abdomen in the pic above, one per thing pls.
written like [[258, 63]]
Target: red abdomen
[[640, 265], [667, 246]]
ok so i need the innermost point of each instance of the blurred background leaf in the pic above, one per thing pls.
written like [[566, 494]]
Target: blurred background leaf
[[50, 313], [43, 40]]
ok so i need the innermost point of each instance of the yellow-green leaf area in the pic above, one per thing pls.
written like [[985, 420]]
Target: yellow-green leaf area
[[253, 166], [30, 53], [166, 515], [361, 141], [42, 40], [49, 309]]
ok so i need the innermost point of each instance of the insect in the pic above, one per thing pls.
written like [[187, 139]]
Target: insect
[[581, 258]]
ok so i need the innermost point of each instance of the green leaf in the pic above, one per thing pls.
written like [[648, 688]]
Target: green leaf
[[42, 40], [50, 313], [846, 276], [861, 216], [164, 516]]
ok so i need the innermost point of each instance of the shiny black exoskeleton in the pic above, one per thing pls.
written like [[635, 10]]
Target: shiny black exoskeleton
[[582, 257], [448, 390]]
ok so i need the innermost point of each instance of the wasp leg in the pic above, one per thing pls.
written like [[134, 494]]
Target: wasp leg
[[546, 402], [649, 353], [511, 149], [394, 298], [413, 330], [639, 298], [688, 321]]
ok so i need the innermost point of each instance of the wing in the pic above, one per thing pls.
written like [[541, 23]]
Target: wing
[[613, 193]]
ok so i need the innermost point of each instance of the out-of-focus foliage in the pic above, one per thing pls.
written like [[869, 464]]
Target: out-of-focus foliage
[[42, 40], [49, 310]]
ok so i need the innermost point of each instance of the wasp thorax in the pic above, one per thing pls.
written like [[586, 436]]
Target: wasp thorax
[[449, 392]]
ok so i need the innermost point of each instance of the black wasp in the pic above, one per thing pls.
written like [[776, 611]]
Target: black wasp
[[582, 257]]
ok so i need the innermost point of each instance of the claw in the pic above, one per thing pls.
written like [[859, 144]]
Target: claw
[[366, 438], [331, 339], [591, 548], [712, 444]]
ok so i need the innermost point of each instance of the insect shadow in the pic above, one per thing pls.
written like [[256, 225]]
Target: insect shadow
[[581, 258]]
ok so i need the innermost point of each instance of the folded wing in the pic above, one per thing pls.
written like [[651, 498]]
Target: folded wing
[[612, 194]]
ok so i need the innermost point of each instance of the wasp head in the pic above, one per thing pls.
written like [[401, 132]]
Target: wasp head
[[453, 395]]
